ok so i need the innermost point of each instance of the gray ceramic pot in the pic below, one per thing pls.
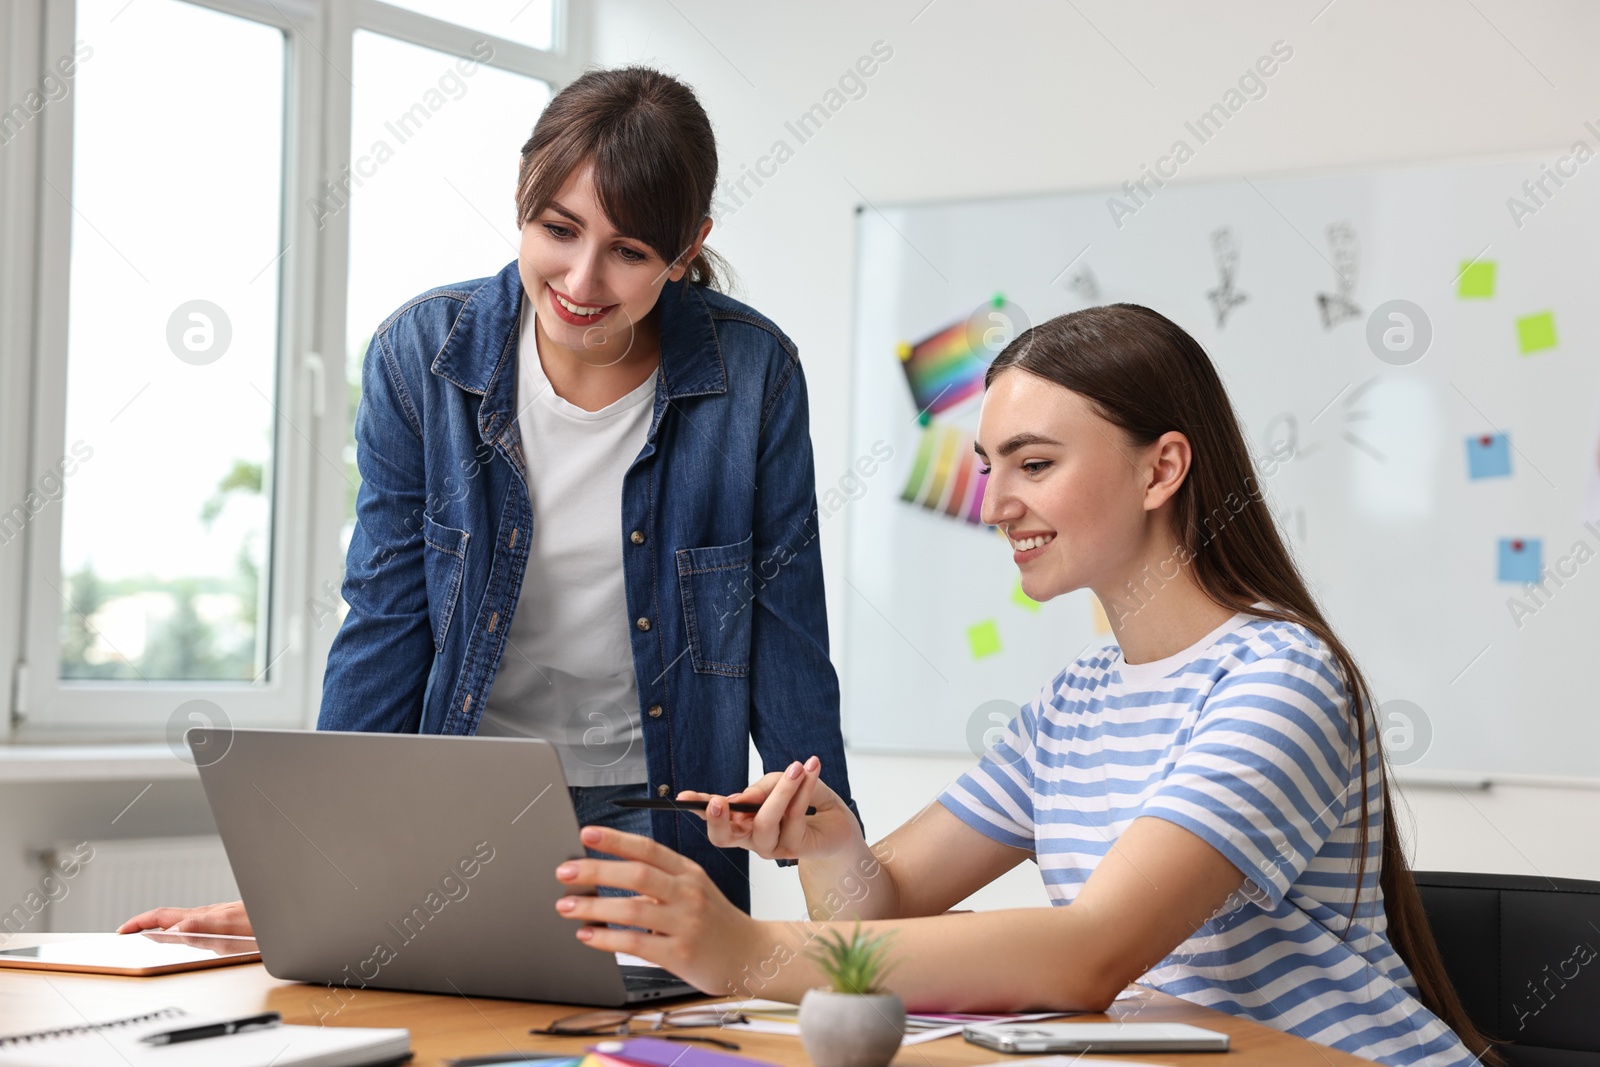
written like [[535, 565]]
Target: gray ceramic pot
[[851, 1029]]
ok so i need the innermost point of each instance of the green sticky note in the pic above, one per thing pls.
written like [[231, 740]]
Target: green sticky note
[[1023, 600], [1536, 332], [984, 639], [1477, 280]]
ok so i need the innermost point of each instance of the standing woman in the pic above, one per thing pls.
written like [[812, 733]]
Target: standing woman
[[587, 510]]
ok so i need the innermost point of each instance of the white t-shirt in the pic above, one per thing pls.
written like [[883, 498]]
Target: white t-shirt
[[567, 672]]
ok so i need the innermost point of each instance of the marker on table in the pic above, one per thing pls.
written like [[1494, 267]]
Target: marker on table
[[668, 804], [196, 1033]]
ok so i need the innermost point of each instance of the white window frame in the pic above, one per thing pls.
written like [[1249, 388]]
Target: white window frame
[[312, 424]]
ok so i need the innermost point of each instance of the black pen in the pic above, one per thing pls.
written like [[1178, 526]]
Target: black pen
[[668, 804], [196, 1033]]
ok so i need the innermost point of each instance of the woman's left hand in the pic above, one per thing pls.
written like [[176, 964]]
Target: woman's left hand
[[690, 928]]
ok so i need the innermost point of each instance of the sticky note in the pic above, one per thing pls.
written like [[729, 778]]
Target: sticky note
[[1536, 332], [1023, 600], [1521, 559], [1102, 625], [1488, 455], [984, 639], [1477, 280]]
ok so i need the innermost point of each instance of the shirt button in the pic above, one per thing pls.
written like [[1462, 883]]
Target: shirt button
[[636, 537], [663, 790], [643, 623], [655, 711]]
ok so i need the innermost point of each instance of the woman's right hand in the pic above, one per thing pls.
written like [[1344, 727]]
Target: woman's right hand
[[782, 829], [226, 918]]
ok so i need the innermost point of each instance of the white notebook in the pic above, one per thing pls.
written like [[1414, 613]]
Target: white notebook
[[117, 1041]]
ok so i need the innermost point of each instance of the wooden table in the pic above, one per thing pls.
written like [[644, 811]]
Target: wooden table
[[444, 1027]]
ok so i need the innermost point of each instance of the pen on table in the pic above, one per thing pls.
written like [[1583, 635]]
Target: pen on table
[[668, 804], [195, 1033]]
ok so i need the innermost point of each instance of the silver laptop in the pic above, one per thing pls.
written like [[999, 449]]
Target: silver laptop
[[405, 861]]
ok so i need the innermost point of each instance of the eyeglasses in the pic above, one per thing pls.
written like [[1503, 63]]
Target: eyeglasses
[[590, 1023]]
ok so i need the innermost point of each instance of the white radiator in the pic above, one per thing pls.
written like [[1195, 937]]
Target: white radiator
[[119, 879]]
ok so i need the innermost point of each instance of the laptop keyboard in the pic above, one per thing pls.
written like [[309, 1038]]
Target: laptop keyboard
[[648, 978]]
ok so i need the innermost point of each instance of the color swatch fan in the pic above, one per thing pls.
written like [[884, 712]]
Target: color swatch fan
[[947, 368]]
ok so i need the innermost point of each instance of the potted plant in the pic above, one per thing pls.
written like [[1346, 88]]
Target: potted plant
[[853, 1022]]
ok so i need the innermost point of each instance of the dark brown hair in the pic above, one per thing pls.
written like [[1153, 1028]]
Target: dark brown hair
[[1141, 372], [654, 156]]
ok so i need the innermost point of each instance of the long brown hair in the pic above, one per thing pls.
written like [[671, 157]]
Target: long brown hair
[[1141, 372], [654, 156]]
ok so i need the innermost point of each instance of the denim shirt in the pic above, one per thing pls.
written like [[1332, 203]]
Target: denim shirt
[[718, 521]]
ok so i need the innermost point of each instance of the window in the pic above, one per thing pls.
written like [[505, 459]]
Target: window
[[440, 208], [207, 268], [529, 22], [172, 338]]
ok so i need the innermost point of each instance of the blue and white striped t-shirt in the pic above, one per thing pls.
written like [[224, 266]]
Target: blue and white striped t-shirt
[[1244, 739]]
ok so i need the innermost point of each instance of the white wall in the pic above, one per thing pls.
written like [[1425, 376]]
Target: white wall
[[981, 99]]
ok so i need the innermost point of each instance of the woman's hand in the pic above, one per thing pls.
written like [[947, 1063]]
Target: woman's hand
[[212, 919], [781, 829], [689, 927]]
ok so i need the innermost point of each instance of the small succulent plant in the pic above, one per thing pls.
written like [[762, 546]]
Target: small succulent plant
[[857, 964]]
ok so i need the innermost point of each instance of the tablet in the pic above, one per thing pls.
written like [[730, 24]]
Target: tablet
[[149, 952], [1096, 1037]]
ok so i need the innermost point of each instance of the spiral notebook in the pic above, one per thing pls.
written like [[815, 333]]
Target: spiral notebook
[[118, 1041]]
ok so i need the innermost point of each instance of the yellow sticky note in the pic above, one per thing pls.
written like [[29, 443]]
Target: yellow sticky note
[[1477, 280], [984, 639], [1102, 625], [1023, 600], [1536, 332]]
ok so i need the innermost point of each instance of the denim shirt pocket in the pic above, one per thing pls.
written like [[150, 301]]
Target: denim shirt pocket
[[444, 561], [717, 596]]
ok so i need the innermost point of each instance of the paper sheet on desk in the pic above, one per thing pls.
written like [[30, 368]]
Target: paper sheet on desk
[[776, 1017]]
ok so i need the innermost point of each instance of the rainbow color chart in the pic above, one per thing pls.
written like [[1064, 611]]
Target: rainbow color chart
[[947, 473], [947, 368]]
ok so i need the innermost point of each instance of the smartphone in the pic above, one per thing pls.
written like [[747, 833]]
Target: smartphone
[[668, 804], [1095, 1037]]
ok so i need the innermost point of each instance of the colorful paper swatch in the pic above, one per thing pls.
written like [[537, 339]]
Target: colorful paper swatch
[[1536, 332], [983, 639], [946, 475], [1488, 456], [1476, 281], [1521, 559], [947, 368]]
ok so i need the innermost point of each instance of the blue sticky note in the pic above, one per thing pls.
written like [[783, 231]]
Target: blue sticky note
[[1488, 456], [1521, 559]]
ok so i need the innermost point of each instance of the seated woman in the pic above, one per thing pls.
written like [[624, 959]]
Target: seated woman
[[1208, 794]]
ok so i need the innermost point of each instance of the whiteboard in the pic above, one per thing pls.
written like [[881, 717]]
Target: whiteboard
[[1391, 481]]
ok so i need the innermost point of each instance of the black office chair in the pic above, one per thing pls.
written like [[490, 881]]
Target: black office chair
[[1524, 954]]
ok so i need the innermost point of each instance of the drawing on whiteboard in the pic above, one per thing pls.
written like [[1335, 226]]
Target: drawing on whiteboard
[[1345, 255], [1224, 298], [1283, 443], [945, 475], [1353, 415], [1085, 284]]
